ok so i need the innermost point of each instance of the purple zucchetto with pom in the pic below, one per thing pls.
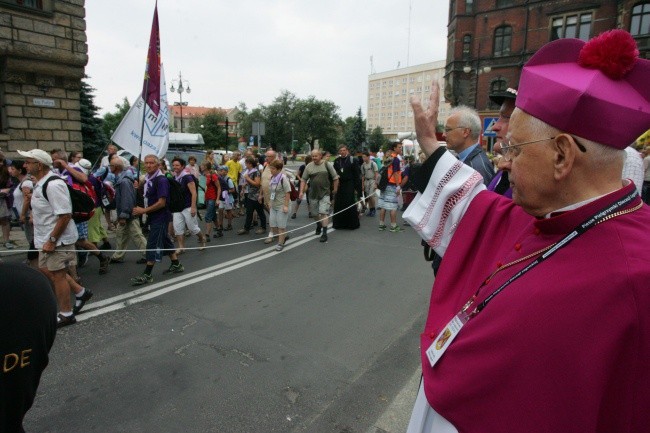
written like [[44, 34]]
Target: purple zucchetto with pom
[[599, 90]]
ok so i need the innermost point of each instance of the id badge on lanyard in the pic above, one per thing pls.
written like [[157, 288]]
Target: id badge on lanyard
[[445, 337]]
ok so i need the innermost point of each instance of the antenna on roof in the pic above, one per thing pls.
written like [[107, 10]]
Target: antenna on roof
[[372, 66]]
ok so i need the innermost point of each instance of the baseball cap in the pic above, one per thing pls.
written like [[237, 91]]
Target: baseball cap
[[38, 154], [502, 95]]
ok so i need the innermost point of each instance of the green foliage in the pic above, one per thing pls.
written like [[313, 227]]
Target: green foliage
[[377, 140], [93, 136], [212, 126], [317, 120], [355, 132], [112, 120]]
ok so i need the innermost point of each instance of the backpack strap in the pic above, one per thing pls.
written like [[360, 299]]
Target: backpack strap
[[44, 188]]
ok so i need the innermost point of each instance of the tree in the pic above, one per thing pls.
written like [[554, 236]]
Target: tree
[[212, 127], [317, 120], [92, 134], [112, 120], [279, 117], [355, 132], [377, 140]]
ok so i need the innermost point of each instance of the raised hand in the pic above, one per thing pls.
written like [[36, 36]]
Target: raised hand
[[427, 120]]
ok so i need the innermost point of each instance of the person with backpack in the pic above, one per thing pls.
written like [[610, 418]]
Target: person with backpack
[[188, 216], [323, 181], [280, 192], [370, 176], [389, 186], [156, 207], [128, 227], [226, 200], [55, 233], [77, 177]]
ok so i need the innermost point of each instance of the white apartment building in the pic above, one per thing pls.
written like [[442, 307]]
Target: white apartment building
[[389, 93]]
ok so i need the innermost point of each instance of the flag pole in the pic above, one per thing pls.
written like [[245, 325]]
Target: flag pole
[[144, 116]]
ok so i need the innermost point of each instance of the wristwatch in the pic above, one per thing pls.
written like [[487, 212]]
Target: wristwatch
[[53, 239]]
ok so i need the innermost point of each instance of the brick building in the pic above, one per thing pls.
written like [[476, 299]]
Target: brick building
[[489, 41], [43, 53]]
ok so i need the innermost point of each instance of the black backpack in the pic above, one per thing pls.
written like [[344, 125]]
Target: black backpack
[[383, 178], [83, 206], [176, 196]]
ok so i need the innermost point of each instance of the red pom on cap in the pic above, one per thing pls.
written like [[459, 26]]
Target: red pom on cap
[[614, 53]]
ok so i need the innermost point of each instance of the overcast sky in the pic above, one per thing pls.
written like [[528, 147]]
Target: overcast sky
[[251, 50]]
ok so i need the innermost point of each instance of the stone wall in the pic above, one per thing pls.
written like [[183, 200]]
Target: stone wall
[[42, 60]]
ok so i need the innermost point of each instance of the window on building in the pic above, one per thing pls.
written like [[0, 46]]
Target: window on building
[[467, 47], [572, 26], [38, 5], [502, 41], [452, 9], [505, 3], [469, 6], [640, 24]]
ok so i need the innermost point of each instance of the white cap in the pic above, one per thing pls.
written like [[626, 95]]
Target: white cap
[[38, 154]]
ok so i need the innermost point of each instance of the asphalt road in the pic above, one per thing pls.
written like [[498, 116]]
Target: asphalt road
[[317, 338]]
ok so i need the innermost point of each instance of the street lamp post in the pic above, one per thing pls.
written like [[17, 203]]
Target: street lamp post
[[477, 71], [181, 86]]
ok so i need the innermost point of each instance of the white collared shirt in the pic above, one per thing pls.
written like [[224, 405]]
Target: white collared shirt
[[46, 211]]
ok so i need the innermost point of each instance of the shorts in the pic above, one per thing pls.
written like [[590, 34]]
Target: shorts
[[369, 187], [61, 258], [321, 206], [278, 219], [227, 205], [185, 218], [388, 198], [4, 210], [210, 211], [96, 231], [157, 241], [82, 230]]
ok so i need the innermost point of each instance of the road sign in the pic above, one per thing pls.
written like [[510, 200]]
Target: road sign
[[488, 124]]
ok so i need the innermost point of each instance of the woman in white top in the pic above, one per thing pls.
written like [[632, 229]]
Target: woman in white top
[[22, 196], [279, 190]]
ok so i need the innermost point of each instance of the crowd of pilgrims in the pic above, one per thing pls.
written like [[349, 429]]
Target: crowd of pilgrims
[[235, 188]]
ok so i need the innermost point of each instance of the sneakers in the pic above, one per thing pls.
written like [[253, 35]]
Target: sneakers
[[202, 241], [174, 269], [218, 234], [62, 320], [103, 264], [260, 231], [243, 231], [382, 227], [141, 279], [227, 229], [106, 246], [279, 247], [80, 302], [293, 216], [371, 213], [396, 229], [269, 240], [9, 246]]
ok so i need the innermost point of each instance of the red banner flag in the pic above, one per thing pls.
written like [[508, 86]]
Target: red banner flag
[[151, 87]]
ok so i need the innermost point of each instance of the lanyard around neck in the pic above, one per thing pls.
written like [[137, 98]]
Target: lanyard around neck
[[611, 211]]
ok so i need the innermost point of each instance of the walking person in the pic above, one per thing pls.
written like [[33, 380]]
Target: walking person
[[253, 198], [128, 227], [55, 234], [22, 198], [187, 217], [318, 174], [370, 176], [156, 207], [212, 193], [5, 202], [280, 200]]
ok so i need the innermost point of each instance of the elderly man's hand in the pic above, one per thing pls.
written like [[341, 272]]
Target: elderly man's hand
[[427, 120]]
